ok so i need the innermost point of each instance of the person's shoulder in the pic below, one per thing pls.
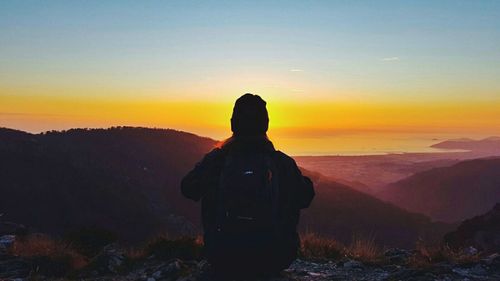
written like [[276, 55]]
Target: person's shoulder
[[211, 158], [284, 158], [214, 153]]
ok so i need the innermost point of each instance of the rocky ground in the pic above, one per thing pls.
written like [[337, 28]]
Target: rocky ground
[[354, 270], [112, 264]]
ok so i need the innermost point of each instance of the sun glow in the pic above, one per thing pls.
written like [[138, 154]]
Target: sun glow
[[326, 126]]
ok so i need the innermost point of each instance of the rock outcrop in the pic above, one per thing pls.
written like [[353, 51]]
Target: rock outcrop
[[481, 232]]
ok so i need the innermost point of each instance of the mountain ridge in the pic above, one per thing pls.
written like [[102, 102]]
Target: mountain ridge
[[474, 185], [127, 179]]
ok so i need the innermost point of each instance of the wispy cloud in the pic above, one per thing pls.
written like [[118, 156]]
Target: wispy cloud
[[390, 59], [296, 70]]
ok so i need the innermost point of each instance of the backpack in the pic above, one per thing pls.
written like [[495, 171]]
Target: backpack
[[247, 204]]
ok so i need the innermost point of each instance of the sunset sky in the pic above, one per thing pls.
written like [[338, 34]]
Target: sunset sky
[[338, 76]]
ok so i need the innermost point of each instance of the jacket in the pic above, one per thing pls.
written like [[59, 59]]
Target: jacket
[[295, 190]]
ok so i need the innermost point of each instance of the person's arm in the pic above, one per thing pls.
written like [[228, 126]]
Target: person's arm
[[195, 183], [304, 188], [307, 192]]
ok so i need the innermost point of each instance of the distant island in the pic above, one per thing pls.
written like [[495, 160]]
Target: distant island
[[490, 144]]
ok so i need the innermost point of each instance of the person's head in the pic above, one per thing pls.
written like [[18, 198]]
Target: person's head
[[250, 116]]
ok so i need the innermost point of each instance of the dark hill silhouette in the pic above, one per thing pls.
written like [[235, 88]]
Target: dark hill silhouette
[[450, 194], [127, 180], [123, 179]]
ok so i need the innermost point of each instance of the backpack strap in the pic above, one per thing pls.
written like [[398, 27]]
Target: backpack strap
[[274, 184], [220, 213]]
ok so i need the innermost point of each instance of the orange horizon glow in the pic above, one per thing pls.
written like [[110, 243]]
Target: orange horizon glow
[[325, 125]]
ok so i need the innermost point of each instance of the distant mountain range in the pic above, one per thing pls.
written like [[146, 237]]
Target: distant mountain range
[[127, 180], [450, 194], [342, 212], [371, 173]]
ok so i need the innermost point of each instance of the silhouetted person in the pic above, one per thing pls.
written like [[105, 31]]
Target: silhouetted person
[[251, 197]]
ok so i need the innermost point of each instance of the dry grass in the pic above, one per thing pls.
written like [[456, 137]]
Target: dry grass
[[317, 247], [430, 253], [165, 247], [135, 253], [51, 253], [36, 245], [364, 249]]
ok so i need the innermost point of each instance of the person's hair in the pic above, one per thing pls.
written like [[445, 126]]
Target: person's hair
[[229, 141]]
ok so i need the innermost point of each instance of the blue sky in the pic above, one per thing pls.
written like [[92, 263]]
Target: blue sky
[[388, 46], [428, 69]]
